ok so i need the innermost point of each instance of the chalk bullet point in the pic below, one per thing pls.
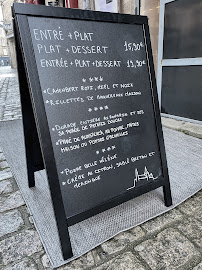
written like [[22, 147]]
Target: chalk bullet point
[[44, 91], [53, 129]]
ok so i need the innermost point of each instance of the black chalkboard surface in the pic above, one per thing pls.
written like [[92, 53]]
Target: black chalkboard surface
[[92, 92]]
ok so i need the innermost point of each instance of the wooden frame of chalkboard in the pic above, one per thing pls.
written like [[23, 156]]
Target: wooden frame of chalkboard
[[39, 148]]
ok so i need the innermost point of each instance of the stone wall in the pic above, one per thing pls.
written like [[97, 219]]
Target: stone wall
[[127, 6], [151, 10], [7, 16], [11, 44]]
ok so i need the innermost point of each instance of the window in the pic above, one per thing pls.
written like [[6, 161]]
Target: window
[[182, 32], [5, 52], [3, 42]]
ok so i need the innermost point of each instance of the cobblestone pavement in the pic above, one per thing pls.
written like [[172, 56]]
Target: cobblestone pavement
[[9, 95], [170, 241]]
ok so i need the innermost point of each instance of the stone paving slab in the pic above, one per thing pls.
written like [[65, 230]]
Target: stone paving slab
[[126, 260], [12, 201], [169, 250], [5, 174], [163, 221], [10, 222], [5, 187], [25, 264], [122, 240], [193, 227], [24, 244], [198, 267]]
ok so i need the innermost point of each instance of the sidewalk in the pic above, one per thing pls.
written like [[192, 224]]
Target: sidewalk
[[7, 71], [9, 95], [170, 241]]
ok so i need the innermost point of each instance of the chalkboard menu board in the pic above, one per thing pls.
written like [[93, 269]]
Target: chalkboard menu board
[[93, 96]]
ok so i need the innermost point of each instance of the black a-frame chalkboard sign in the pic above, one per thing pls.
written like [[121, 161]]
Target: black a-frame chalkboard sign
[[90, 109]]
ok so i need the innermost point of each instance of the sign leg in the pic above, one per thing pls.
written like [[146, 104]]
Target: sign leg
[[167, 195], [66, 249], [31, 180], [32, 147]]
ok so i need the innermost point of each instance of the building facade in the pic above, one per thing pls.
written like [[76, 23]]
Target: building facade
[[4, 48], [8, 28]]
